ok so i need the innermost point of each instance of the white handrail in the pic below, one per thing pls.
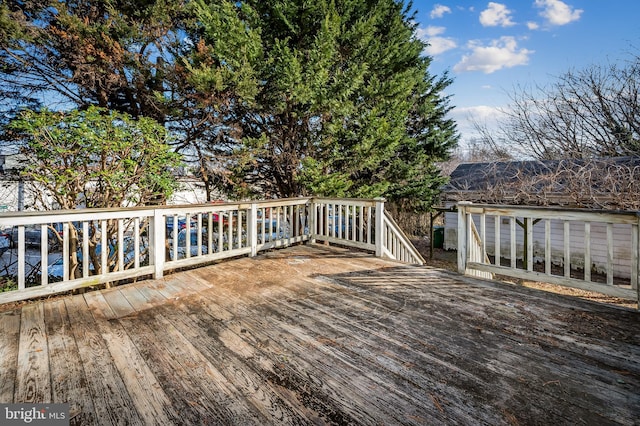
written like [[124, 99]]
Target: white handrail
[[397, 245], [109, 245]]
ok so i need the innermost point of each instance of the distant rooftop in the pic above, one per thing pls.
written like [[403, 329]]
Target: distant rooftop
[[546, 182]]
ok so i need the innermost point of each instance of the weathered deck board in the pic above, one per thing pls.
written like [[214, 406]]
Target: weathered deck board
[[111, 400], [67, 373], [147, 395], [33, 378], [266, 400], [315, 335], [315, 374], [10, 333], [395, 362]]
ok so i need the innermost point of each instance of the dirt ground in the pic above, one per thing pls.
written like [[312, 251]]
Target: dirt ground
[[447, 259]]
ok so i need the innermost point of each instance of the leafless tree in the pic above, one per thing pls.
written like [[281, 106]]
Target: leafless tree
[[612, 183], [587, 113]]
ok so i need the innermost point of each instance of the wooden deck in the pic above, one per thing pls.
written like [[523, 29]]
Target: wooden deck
[[312, 335]]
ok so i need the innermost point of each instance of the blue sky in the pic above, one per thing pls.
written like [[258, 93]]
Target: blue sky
[[489, 48]]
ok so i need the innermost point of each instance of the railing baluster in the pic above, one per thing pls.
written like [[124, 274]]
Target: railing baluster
[[340, 221], [21, 258], [547, 246], [279, 233], [239, 229], [210, 232], [120, 245], [325, 215], [635, 257], [483, 237], [85, 249], [44, 254], [65, 252], [470, 246], [512, 229], [174, 232], [587, 251], [104, 248], [136, 242], [220, 232], [230, 231], [529, 227], [289, 224], [567, 248], [198, 234], [252, 229], [368, 225], [263, 225], [361, 222], [497, 225], [462, 237], [353, 229], [609, 254]]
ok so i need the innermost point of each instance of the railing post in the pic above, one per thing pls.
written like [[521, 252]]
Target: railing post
[[462, 236], [157, 231], [380, 234], [313, 220], [22, 249], [252, 229]]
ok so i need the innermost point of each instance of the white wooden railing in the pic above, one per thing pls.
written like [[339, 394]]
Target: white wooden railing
[[570, 247], [396, 245], [476, 252], [58, 251]]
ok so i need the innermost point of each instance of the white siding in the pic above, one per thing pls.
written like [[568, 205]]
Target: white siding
[[191, 191]]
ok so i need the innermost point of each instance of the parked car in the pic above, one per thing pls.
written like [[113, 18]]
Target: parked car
[[271, 232], [55, 270], [5, 242], [32, 236], [128, 250], [182, 222], [193, 243]]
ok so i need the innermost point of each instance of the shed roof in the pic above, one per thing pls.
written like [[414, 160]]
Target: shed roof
[[546, 181]]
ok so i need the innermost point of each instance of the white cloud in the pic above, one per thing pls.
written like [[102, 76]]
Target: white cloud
[[437, 45], [496, 15], [430, 31], [501, 53], [557, 12], [479, 113], [467, 117], [532, 25], [439, 10]]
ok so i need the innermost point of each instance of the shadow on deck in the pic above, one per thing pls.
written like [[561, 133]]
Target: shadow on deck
[[313, 335]]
